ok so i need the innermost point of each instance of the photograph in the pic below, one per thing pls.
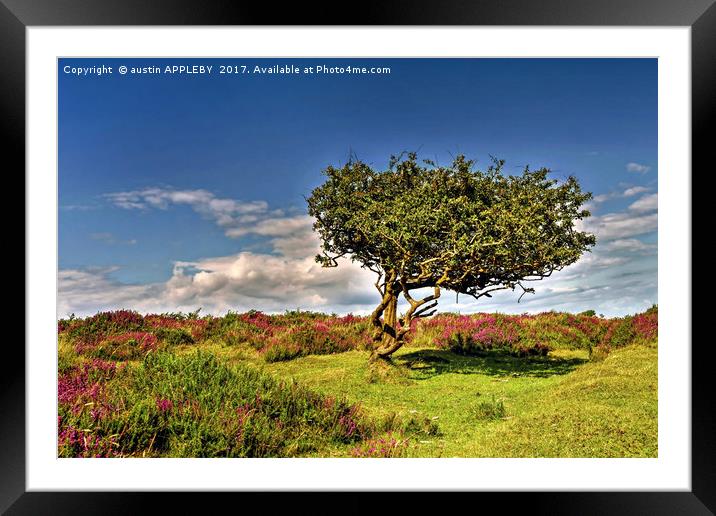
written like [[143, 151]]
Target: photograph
[[357, 257]]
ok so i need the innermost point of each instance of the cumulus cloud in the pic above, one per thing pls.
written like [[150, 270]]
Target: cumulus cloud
[[629, 192], [273, 227], [238, 282], [635, 190], [86, 291], [637, 168], [646, 203], [639, 219]]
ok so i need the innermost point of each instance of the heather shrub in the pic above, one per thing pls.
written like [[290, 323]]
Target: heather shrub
[[561, 330], [66, 361], [82, 401], [534, 335], [125, 334], [427, 334], [282, 351], [110, 329], [472, 335], [124, 346], [95, 328], [253, 328], [174, 336], [620, 333], [641, 328], [291, 317], [194, 406], [314, 337], [171, 325], [386, 447], [481, 333], [646, 325], [350, 328]]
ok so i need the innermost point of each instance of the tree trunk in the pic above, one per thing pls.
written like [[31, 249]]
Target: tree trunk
[[389, 342]]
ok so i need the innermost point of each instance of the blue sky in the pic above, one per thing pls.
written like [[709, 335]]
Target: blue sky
[[183, 191]]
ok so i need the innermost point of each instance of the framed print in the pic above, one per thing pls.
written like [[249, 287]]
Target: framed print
[[421, 252]]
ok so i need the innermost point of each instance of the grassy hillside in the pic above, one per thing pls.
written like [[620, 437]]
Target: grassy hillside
[[502, 406], [173, 385]]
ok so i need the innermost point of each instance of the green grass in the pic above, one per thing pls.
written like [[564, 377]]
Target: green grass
[[447, 405], [602, 409], [556, 406]]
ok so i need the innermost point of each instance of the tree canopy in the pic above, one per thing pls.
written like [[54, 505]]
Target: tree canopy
[[453, 227]]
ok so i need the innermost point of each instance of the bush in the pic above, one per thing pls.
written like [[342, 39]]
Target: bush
[[313, 338], [481, 333], [298, 333], [193, 406], [93, 329], [125, 346], [281, 352], [174, 336], [646, 325], [535, 335], [620, 333], [472, 335]]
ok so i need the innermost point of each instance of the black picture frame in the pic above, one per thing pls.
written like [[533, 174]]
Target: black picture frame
[[16, 15]]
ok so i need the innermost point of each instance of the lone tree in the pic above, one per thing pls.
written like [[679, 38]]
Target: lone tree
[[419, 225]]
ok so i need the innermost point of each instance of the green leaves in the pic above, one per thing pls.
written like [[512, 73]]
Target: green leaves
[[469, 231]]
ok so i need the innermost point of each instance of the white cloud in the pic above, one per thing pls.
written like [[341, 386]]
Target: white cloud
[[292, 235], [281, 226], [602, 198], [628, 244], [629, 192], [639, 219], [237, 218], [635, 190], [238, 282], [637, 168], [646, 203], [297, 246], [614, 226], [87, 291]]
